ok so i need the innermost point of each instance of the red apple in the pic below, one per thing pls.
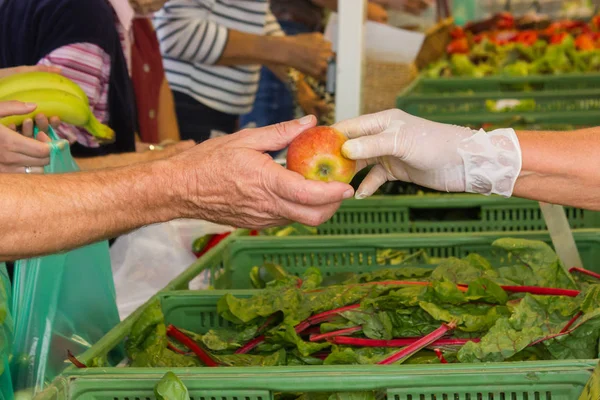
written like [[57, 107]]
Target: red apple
[[317, 154]]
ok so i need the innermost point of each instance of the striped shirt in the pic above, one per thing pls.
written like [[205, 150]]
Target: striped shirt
[[193, 35], [89, 66]]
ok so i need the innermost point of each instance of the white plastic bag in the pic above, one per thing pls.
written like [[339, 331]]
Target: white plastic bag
[[146, 260]]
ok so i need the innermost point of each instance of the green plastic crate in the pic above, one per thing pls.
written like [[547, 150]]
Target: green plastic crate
[[505, 84], [357, 254], [534, 381], [449, 105], [435, 213], [229, 264], [549, 380]]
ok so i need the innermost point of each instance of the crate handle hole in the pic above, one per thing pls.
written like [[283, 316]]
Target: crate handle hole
[[445, 214]]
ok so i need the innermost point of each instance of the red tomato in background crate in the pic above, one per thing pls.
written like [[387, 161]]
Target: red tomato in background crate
[[458, 46], [585, 41]]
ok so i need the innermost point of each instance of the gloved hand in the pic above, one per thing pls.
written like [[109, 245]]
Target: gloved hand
[[439, 156]]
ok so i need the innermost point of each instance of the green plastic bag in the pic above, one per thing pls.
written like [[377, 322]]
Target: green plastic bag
[[6, 334], [62, 302]]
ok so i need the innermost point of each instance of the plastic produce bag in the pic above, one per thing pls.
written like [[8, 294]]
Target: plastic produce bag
[[62, 302], [6, 333], [146, 260]]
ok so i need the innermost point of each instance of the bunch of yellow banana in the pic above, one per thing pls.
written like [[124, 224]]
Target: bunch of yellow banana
[[55, 96]]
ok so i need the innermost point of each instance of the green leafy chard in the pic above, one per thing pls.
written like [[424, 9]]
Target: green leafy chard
[[170, 387], [462, 310]]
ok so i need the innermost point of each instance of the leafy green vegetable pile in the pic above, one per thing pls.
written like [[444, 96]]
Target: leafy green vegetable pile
[[463, 311], [563, 47], [516, 59]]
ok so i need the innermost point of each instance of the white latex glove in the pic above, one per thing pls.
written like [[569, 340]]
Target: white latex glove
[[439, 156]]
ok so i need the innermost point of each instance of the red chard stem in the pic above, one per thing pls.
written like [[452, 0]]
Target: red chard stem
[[419, 344], [571, 322], [192, 345], [543, 291], [250, 345], [362, 342], [440, 356], [74, 360], [177, 350], [585, 272], [326, 315], [341, 332]]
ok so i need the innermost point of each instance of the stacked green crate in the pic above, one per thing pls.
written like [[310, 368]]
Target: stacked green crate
[[230, 267], [571, 100], [510, 381], [439, 213]]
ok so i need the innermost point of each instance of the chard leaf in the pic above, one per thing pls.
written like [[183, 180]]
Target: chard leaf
[[391, 274], [229, 338], [463, 271], [375, 324], [336, 325], [443, 292], [537, 264], [250, 360], [145, 325], [362, 355], [412, 322], [295, 358], [582, 343], [170, 387], [535, 317], [405, 297], [311, 278], [287, 334], [264, 304], [468, 317], [592, 388], [400, 257], [146, 345], [483, 289]]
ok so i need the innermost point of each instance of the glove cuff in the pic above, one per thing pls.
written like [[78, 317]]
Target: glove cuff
[[492, 162]]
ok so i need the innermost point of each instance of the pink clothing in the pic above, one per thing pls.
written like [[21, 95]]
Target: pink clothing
[[89, 66]]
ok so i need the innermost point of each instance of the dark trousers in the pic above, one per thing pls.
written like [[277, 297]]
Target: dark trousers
[[196, 121]]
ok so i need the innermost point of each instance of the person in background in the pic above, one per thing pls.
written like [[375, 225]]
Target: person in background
[[212, 52], [111, 54], [275, 100]]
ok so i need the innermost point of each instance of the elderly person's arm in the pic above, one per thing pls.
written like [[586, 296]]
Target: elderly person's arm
[[228, 180]]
